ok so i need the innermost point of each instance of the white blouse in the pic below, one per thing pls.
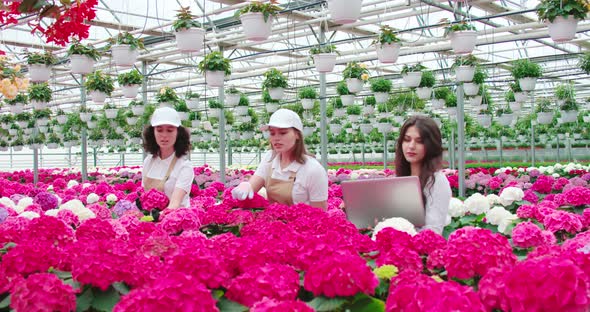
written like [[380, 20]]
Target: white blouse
[[438, 198], [181, 177]]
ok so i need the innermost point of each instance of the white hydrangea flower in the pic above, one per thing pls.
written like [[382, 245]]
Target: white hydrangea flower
[[555, 175], [29, 215], [354, 175], [529, 169], [6, 201], [521, 170], [503, 226], [477, 204], [510, 195], [558, 166], [52, 212], [493, 199], [456, 208], [399, 224], [111, 198], [22, 204], [72, 183], [72, 204], [496, 215], [92, 198], [85, 185], [83, 213]]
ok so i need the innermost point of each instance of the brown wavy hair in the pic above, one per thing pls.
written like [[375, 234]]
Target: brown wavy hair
[[182, 146], [299, 151], [432, 140]]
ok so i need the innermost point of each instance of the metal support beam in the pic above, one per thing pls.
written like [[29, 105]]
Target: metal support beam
[[323, 110], [84, 142], [461, 139]]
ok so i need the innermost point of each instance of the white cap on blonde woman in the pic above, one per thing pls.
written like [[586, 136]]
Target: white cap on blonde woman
[[165, 116], [284, 118]]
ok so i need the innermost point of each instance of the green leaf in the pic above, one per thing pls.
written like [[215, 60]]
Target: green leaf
[[365, 303], [327, 304], [63, 275], [226, 305], [105, 300], [5, 303], [217, 293], [121, 287], [84, 301]]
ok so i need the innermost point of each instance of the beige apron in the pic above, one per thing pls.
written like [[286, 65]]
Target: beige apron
[[158, 184], [280, 191]]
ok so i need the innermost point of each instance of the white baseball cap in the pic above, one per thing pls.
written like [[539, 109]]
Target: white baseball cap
[[165, 116], [284, 118]]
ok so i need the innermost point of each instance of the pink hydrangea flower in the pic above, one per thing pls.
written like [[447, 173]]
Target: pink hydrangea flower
[[175, 221], [560, 220], [491, 289], [526, 211], [577, 196], [154, 199], [271, 305], [543, 184], [68, 217], [530, 196], [42, 292], [46, 200], [427, 241], [526, 235]]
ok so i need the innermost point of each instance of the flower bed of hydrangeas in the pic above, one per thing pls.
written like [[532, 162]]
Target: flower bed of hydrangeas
[[519, 242]]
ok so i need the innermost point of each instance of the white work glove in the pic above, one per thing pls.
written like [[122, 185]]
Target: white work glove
[[242, 191]]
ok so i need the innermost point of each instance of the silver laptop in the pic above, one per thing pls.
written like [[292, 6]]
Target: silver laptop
[[368, 202]]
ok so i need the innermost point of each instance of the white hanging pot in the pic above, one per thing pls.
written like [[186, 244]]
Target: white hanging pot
[[544, 118], [42, 121], [563, 28], [131, 120], [438, 103], [476, 100], [344, 11], [214, 79], [324, 62], [38, 104], [51, 145], [123, 55], [464, 73], [276, 93], [307, 131], [85, 117], [520, 97], [335, 128], [569, 116], [307, 103], [232, 99], [255, 28], [515, 106], [339, 112], [354, 85], [354, 118], [388, 53], [214, 112], [190, 40], [527, 83], [347, 100], [384, 127], [452, 111], [505, 119], [192, 104], [412, 79], [61, 119], [81, 64], [16, 109], [366, 128], [195, 123], [586, 119], [39, 72], [272, 107], [111, 113], [130, 91], [17, 148], [137, 110], [368, 110], [424, 93], [241, 110], [183, 115], [484, 120], [381, 97], [98, 97], [470, 88], [463, 41]]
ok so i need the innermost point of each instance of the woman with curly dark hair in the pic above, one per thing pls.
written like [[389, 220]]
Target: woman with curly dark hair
[[167, 167], [419, 153]]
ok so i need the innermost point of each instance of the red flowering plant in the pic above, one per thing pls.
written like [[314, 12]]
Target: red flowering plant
[[152, 202]]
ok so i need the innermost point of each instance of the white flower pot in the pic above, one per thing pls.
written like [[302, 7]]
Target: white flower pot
[[335, 128], [42, 121], [232, 99], [563, 28], [412, 79], [190, 40], [123, 55], [544, 118], [245, 119], [111, 113], [586, 119], [368, 110], [91, 124], [366, 128], [81, 64], [241, 110], [381, 97], [276, 93], [324, 62], [137, 110], [505, 119], [452, 111], [339, 112], [438, 103], [132, 120], [354, 85], [85, 117], [463, 42], [384, 127], [484, 120], [527, 83], [193, 104], [470, 88], [214, 79], [16, 108], [214, 112], [195, 123], [476, 100], [12, 132], [569, 116], [183, 116], [354, 118], [17, 148], [38, 104], [388, 53], [39, 72], [307, 131], [130, 91], [520, 97], [515, 106], [464, 73], [307, 103], [255, 28], [424, 93], [52, 145], [272, 107], [347, 100], [344, 11], [98, 97]]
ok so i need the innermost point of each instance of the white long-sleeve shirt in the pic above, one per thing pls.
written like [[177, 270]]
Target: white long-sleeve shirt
[[437, 203]]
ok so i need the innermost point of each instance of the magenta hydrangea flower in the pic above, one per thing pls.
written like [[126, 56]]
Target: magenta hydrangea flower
[[526, 211], [174, 221], [340, 275], [68, 217], [154, 199], [42, 292], [543, 184], [101, 211], [526, 235], [271, 305], [560, 220], [46, 201], [577, 196], [491, 289], [427, 241], [530, 196], [34, 208]]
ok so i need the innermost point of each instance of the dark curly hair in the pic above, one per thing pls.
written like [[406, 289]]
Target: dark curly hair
[[181, 147], [432, 140]]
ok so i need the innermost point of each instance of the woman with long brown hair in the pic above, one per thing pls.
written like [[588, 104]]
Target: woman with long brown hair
[[419, 153], [289, 174]]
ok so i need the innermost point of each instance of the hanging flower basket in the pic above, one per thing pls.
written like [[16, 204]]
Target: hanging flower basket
[[38, 104], [39, 72], [324, 62], [544, 118], [463, 42], [527, 83], [232, 99], [563, 29], [464, 73], [98, 97], [335, 128], [476, 100], [241, 110], [569, 116], [412, 79], [484, 120], [347, 99], [354, 85], [505, 119], [470, 88], [388, 53], [276, 93], [381, 97], [214, 112], [520, 97], [438, 103], [123, 55], [368, 110], [307, 103], [61, 119], [424, 93], [255, 28], [81, 64], [366, 128], [344, 11], [193, 104], [111, 113], [190, 40], [339, 112], [130, 91], [214, 79], [272, 107], [137, 110]]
